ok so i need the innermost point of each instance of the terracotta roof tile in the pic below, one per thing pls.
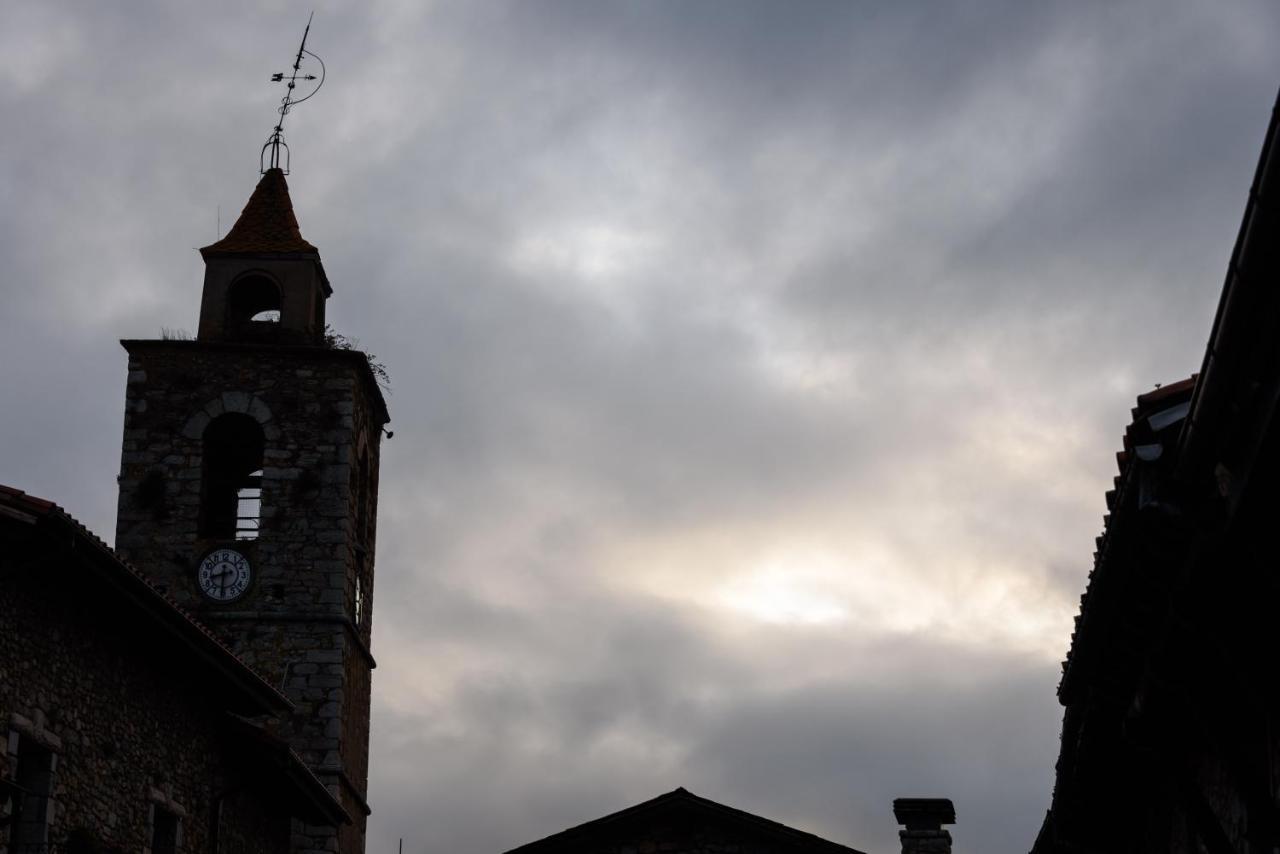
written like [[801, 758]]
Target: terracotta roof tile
[[1167, 390], [266, 224]]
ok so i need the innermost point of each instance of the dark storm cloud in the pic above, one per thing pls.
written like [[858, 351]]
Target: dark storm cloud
[[757, 368]]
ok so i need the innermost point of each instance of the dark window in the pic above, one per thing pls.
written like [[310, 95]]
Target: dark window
[[253, 299], [231, 500], [164, 831], [361, 491], [33, 784]]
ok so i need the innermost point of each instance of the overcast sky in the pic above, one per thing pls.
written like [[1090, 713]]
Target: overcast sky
[[757, 368]]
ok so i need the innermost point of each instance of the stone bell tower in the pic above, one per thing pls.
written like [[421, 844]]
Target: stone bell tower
[[249, 482]]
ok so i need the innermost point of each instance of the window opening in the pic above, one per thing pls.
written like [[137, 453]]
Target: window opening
[[253, 299], [249, 507], [33, 784], [231, 506], [164, 830], [359, 599]]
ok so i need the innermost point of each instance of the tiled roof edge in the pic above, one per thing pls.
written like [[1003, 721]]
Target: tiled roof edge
[[199, 636]]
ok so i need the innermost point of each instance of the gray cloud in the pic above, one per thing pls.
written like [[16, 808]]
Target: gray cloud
[[757, 367]]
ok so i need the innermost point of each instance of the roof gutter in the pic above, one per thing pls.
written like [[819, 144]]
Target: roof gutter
[[1245, 295]]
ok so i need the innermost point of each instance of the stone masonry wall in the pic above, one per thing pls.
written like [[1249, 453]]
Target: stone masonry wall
[[318, 410], [367, 433], [128, 725]]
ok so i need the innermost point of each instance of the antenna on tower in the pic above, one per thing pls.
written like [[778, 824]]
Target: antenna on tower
[[269, 158]]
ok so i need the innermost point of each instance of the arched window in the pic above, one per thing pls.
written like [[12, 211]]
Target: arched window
[[254, 298], [231, 496]]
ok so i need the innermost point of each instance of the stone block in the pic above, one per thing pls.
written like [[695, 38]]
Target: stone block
[[194, 428], [339, 473], [259, 410], [236, 401]]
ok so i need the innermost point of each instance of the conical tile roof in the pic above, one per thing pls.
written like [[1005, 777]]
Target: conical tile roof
[[266, 224]]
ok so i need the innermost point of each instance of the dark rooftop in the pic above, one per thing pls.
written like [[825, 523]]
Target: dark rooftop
[[680, 802]]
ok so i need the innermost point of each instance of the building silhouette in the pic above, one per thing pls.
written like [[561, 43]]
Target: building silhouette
[[205, 686], [1171, 730]]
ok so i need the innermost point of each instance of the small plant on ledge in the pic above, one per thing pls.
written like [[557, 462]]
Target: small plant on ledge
[[335, 340]]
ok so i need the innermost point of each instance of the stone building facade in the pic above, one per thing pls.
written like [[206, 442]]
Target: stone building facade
[[1171, 724]]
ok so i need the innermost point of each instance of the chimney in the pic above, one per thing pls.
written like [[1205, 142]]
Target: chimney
[[923, 819]]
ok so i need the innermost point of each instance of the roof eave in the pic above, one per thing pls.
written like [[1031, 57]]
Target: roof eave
[[252, 690]]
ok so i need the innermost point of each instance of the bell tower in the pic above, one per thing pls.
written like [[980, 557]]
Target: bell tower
[[263, 281], [248, 488]]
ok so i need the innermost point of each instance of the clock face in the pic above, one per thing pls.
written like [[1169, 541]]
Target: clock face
[[224, 575]]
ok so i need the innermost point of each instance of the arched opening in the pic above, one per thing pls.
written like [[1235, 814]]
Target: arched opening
[[253, 299], [231, 497]]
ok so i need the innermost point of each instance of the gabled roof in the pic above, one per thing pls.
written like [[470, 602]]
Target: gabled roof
[[681, 808], [245, 690], [266, 225]]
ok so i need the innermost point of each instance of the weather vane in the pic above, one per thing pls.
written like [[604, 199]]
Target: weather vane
[[276, 141]]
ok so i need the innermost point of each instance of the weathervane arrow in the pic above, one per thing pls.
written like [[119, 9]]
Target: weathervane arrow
[[269, 158]]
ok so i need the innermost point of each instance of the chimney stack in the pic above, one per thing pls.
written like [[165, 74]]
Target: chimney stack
[[923, 819]]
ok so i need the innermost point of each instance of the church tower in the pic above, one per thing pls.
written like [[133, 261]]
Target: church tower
[[248, 488]]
